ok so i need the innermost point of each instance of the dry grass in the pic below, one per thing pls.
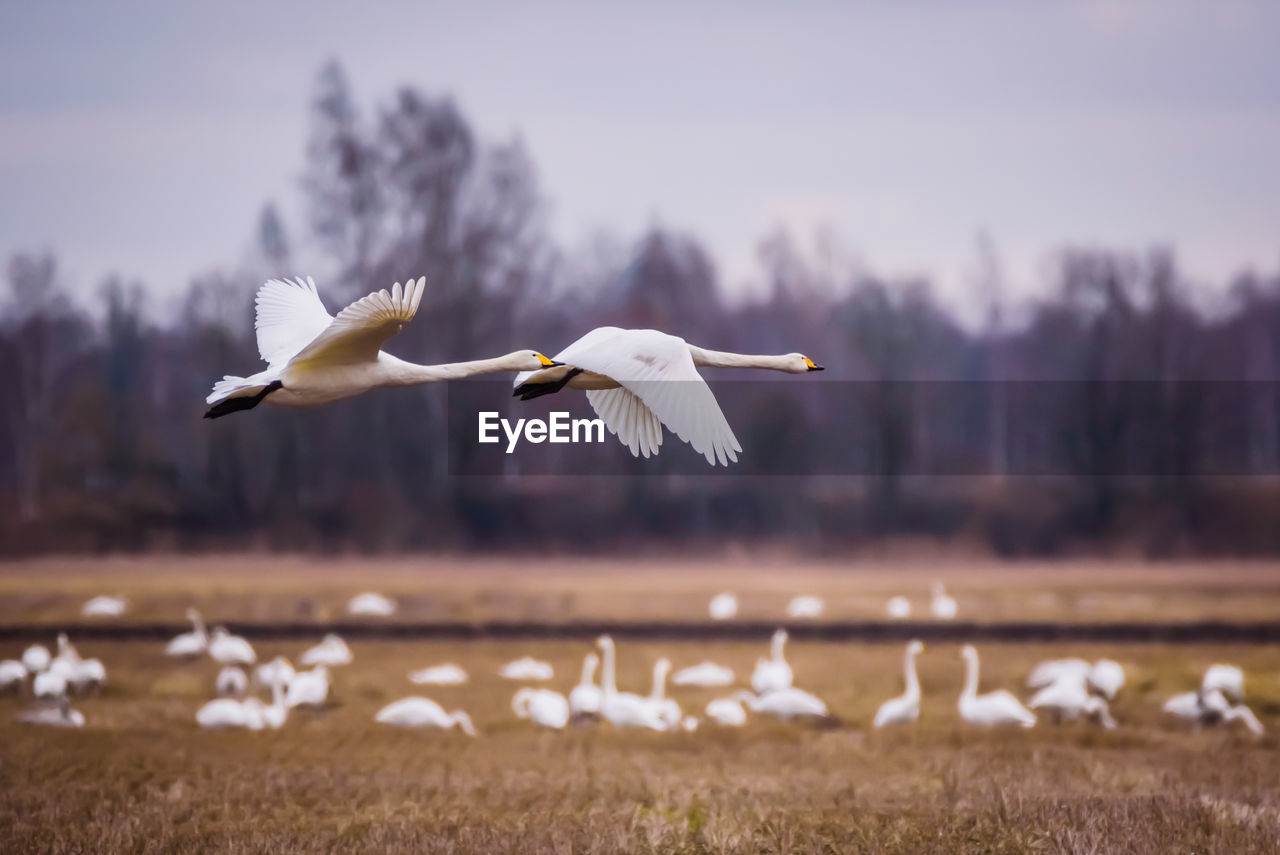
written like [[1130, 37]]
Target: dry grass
[[143, 778]]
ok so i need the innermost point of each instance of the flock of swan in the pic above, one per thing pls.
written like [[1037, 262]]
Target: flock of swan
[[942, 606]]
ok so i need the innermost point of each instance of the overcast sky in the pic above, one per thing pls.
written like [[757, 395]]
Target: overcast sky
[[144, 137]]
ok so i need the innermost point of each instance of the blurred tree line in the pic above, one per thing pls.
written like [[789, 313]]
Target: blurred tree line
[[102, 445]]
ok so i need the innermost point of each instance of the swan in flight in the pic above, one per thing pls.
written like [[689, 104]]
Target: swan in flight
[[189, 643], [103, 607], [898, 608], [277, 672], [61, 715], [942, 605], [906, 707], [584, 700], [727, 712], [423, 712], [623, 709], [774, 673], [526, 668], [704, 674], [313, 357], [541, 706], [627, 376], [228, 649], [723, 607], [805, 607], [993, 708], [1069, 698], [331, 651], [231, 683], [786, 704], [309, 688], [371, 604], [439, 675], [12, 673], [667, 708]]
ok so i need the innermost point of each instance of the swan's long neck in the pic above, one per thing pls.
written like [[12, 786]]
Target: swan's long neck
[[607, 684], [659, 680], [463, 721], [198, 622], [970, 677], [401, 373], [778, 641], [909, 671], [721, 359], [588, 671]]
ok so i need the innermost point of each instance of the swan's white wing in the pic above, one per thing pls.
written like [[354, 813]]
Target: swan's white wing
[[289, 315], [627, 416], [360, 330]]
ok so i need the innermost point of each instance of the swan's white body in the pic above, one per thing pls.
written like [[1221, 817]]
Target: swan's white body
[[309, 688], [314, 358], [87, 674], [1069, 697], [727, 712], [423, 712], [191, 643], [371, 604], [439, 675], [228, 649], [223, 712], [804, 608], [36, 658], [668, 710], [1052, 670], [704, 674], [103, 607], [331, 651], [541, 706], [624, 709], [1227, 679], [52, 682], [231, 683], [277, 672], [526, 668], [1106, 677], [785, 703], [639, 380], [12, 673], [942, 605], [1199, 707], [994, 708], [906, 707], [723, 607], [898, 608], [60, 715], [585, 698], [774, 673]]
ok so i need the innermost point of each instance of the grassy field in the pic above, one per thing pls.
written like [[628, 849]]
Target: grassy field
[[264, 589], [141, 777]]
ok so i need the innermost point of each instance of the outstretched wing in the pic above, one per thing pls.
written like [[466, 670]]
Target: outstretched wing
[[290, 314], [659, 382], [361, 329]]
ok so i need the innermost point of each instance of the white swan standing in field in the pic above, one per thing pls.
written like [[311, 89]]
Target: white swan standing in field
[[943, 606], [61, 715], [668, 710], [584, 700], [1069, 698], [439, 675], [804, 608], [994, 708], [191, 643], [786, 704], [723, 607], [773, 673], [87, 674], [36, 658], [222, 712], [370, 604], [543, 707], [231, 683], [526, 668], [423, 712], [331, 651], [314, 358], [898, 608], [623, 709], [277, 672], [627, 376], [12, 673], [704, 674], [1106, 677], [228, 649], [309, 688], [906, 707], [727, 712], [103, 607], [1227, 679]]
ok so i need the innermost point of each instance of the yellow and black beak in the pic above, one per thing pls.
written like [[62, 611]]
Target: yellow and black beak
[[548, 363], [812, 365]]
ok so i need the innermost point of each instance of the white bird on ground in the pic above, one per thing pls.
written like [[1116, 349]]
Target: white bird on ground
[[1240, 712], [786, 704], [1227, 679], [309, 688], [371, 604], [727, 712], [906, 707], [1052, 670], [804, 608], [623, 709], [689, 723], [52, 682], [12, 673], [627, 376], [439, 675], [61, 715], [87, 674], [223, 712], [103, 607], [231, 683], [994, 708], [36, 658], [331, 651], [228, 649], [1069, 698], [942, 605], [1203, 706], [278, 671], [704, 674], [314, 358], [898, 608], [667, 708], [526, 668], [274, 716], [773, 673], [423, 712], [541, 706], [584, 700], [1106, 677], [723, 607], [189, 643]]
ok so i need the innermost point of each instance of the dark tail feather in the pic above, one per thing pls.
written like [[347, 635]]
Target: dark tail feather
[[529, 391], [235, 405]]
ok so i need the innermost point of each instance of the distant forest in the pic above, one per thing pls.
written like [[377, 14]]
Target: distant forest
[[103, 448]]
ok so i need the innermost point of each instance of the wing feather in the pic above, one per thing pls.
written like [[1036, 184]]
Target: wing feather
[[361, 329], [289, 314]]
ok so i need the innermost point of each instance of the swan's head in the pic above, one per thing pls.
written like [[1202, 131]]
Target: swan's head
[[63, 642], [780, 637], [530, 360], [192, 614], [220, 632], [915, 647], [798, 363], [969, 652], [663, 665], [464, 721], [605, 642]]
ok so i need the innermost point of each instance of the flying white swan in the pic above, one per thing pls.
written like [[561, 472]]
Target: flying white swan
[[309, 688], [906, 707], [1069, 698], [723, 607], [423, 712], [371, 604], [314, 358], [942, 605], [103, 607], [774, 673], [526, 668], [228, 649], [189, 643], [541, 706], [331, 651], [804, 607], [623, 709], [898, 608], [1227, 679], [628, 377], [584, 700], [231, 682], [704, 674], [277, 672], [12, 673], [993, 708], [786, 704], [727, 712], [439, 675], [668, 709], [61, 715]]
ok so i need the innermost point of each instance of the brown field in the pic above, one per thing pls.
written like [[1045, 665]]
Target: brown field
[[141, 777]]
